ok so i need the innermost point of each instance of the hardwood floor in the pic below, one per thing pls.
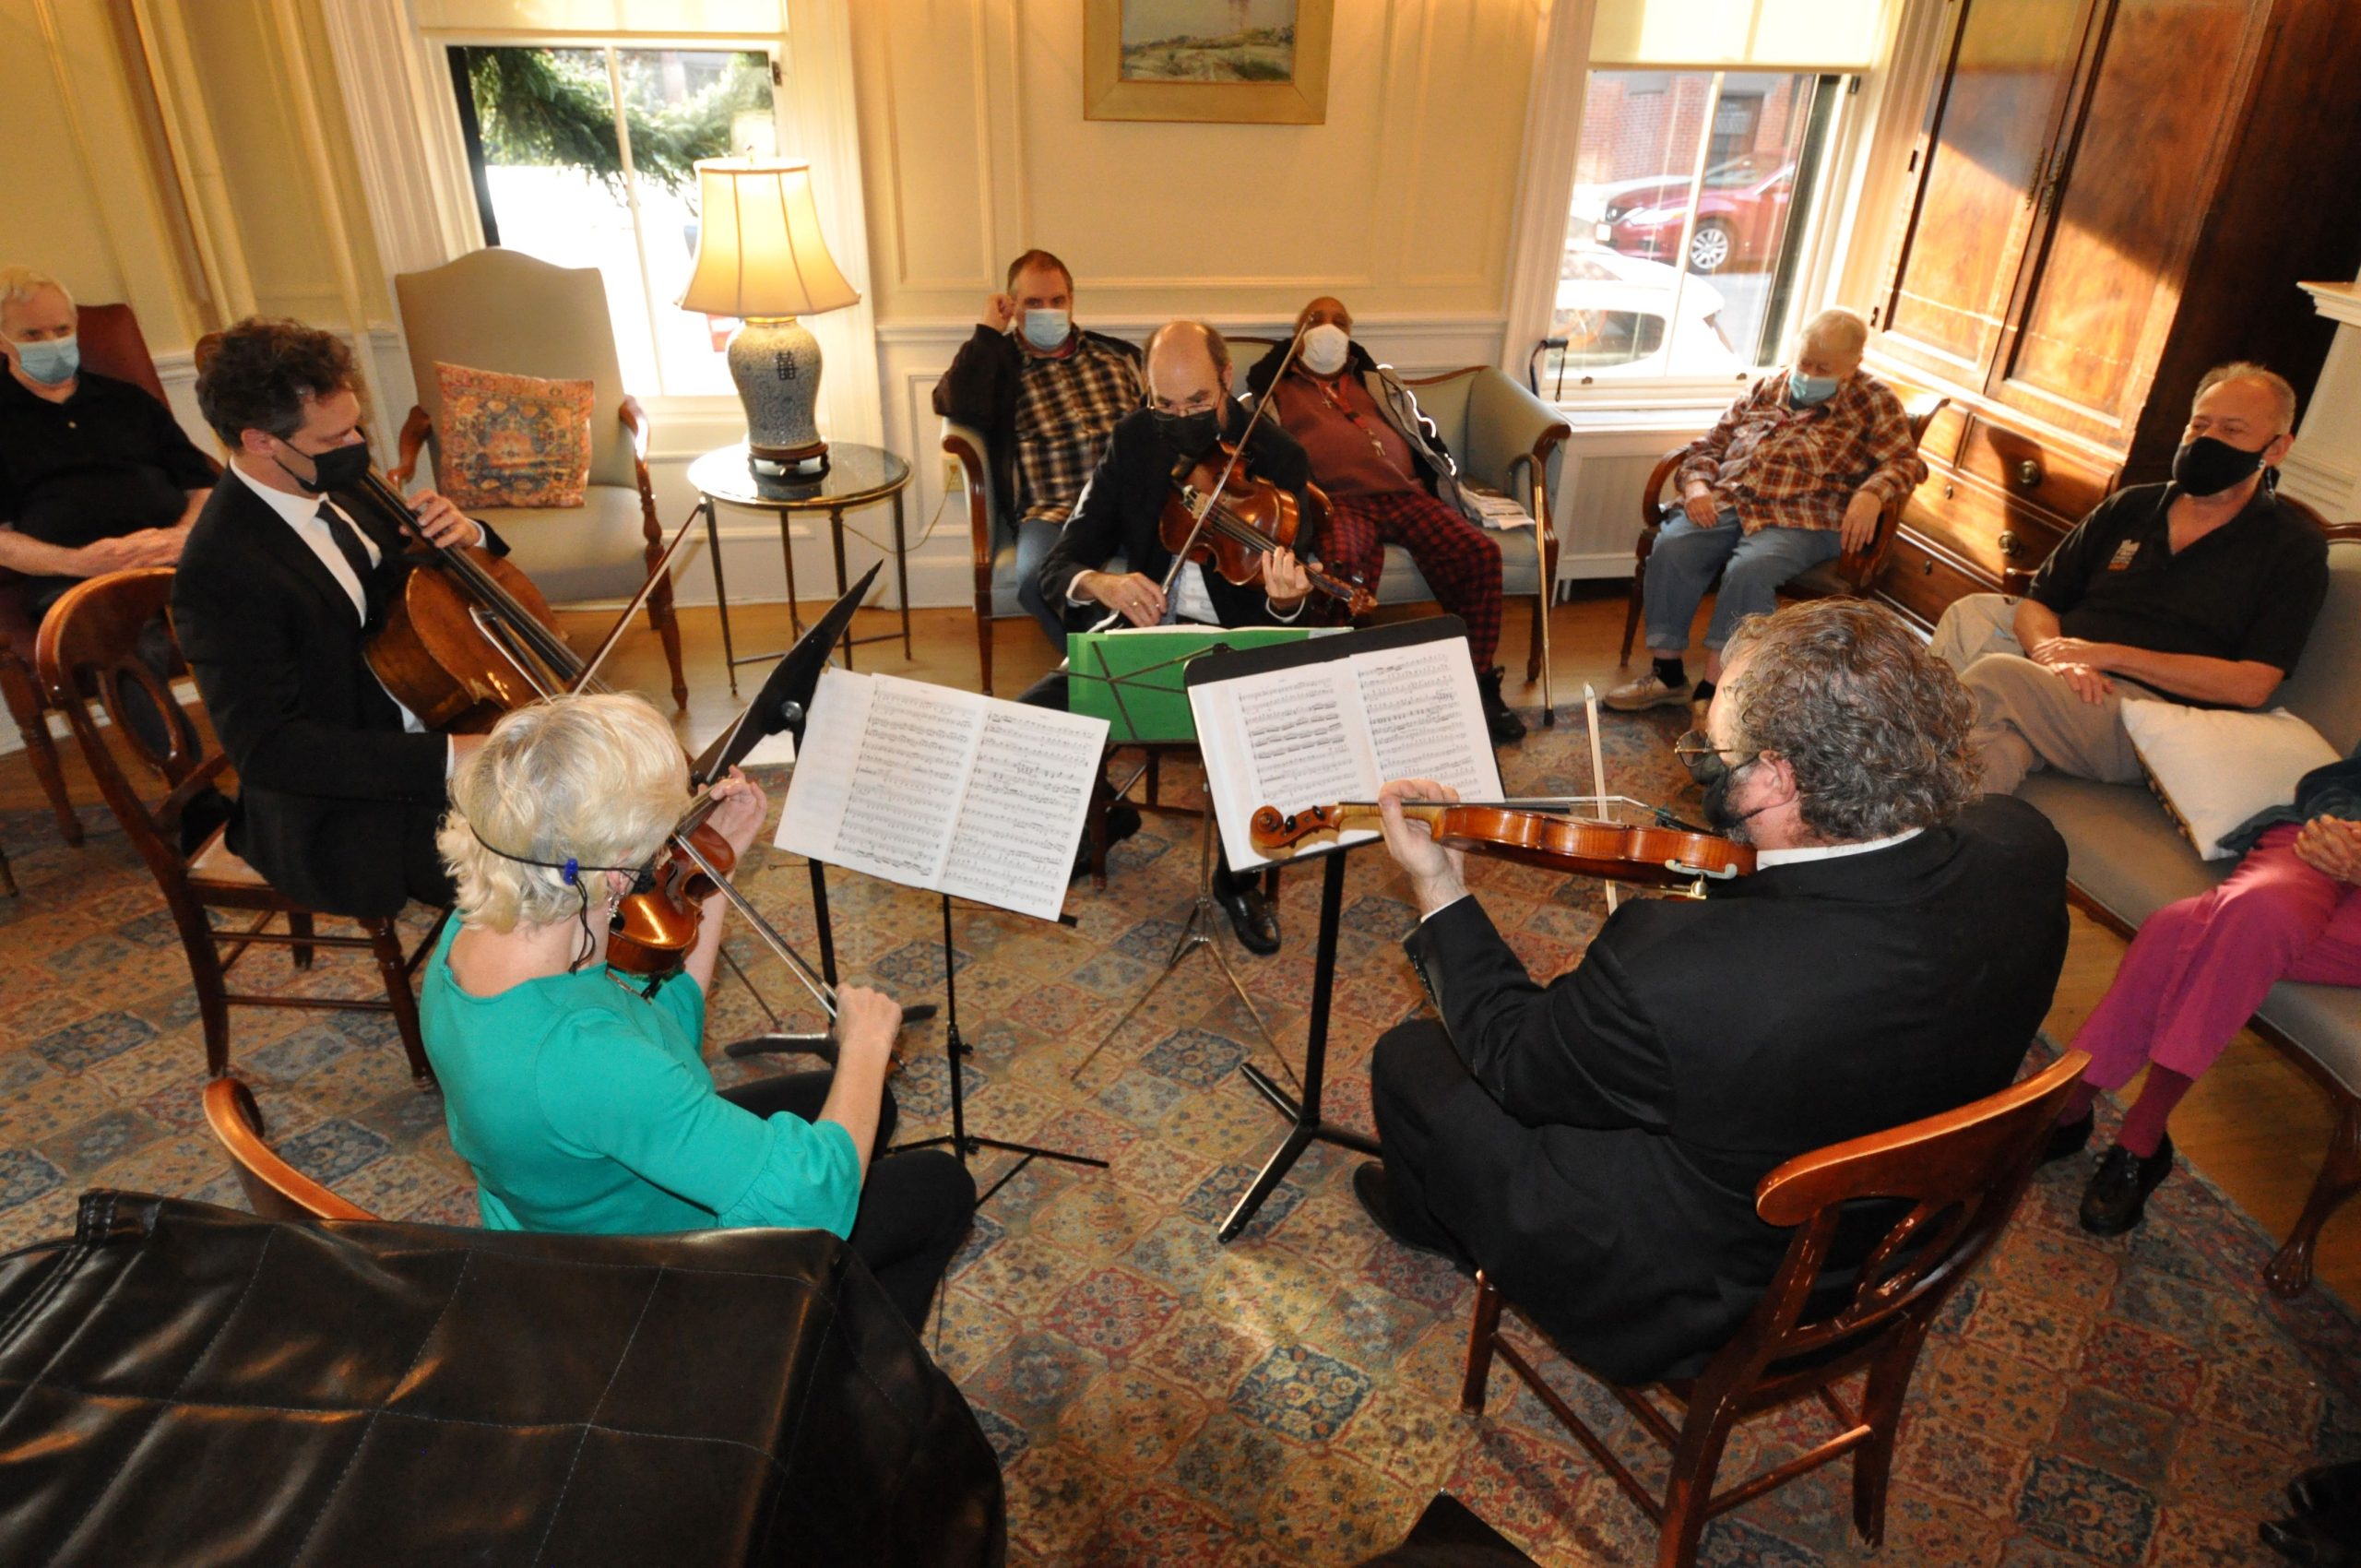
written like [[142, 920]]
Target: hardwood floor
[[2255, 1124]]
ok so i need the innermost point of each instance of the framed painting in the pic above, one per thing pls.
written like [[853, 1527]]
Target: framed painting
[[1233, 62]]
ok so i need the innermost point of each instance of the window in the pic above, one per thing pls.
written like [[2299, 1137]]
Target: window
[[1698, 218], [1693, 197], [584, 157]]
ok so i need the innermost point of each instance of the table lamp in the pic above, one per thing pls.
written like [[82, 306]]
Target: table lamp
[[761, 258]]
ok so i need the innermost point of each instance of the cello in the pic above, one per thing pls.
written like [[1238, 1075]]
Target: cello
[[460, 642]]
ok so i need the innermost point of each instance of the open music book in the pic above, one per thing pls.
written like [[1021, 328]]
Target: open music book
[[943, 790], [1317, 733]]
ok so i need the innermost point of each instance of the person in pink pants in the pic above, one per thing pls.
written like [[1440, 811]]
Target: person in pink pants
[[2198, 968]]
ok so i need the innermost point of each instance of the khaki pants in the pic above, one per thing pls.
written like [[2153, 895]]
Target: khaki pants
[[2025, 717]]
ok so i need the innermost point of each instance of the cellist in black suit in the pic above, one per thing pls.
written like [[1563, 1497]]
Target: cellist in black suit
[[284, 579]]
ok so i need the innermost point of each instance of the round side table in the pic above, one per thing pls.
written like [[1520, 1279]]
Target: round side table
[[857, 476]]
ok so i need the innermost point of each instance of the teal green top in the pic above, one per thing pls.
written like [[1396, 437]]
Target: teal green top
[[584, 1107]]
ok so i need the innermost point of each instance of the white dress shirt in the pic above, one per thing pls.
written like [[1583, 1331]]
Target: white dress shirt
[[302, 513]]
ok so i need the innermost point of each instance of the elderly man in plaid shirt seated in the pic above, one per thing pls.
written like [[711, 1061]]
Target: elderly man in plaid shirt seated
[[1045, 392], [1794, 474]]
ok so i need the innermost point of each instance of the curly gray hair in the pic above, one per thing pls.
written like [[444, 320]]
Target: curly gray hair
[[1875, 727]]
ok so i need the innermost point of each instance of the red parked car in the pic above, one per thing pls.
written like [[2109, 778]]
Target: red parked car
[[1741, 214]]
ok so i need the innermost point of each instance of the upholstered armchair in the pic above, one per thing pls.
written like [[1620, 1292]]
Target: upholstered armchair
[[500, 310], [1504, 437]]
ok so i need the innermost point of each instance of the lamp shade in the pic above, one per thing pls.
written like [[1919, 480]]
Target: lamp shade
[[760, 253]]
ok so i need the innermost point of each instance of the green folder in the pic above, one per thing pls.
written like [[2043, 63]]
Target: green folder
[[1115, 676]]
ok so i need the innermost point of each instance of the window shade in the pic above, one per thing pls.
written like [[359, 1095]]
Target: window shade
[[602, 19], [1734, 33]]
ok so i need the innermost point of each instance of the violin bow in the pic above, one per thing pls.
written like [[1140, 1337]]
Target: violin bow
[[614, 633], [1598, 769], [813, 983]]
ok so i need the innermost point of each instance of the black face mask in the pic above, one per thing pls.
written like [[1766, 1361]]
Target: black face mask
[[1718, 777], [2208, 467], [1189, 435], [339, 467]]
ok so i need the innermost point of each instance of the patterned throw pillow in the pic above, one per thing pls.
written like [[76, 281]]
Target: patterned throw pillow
[[512, 440]]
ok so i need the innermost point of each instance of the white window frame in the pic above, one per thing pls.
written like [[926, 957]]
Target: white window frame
[[1832, 268], [397, 93], [455, 138]]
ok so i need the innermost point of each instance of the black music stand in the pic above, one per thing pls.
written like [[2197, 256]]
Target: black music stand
[[1306, 1122], [779, 708], [956, 1049]]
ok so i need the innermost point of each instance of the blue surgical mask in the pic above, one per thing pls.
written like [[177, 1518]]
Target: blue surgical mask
[[53, 362], [1805, 391], [1046, 329]]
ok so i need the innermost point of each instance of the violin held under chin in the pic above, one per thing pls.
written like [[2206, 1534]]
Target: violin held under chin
[[1245, 521]]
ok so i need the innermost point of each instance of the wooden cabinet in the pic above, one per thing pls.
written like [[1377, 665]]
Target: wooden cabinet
[[2109, 196]]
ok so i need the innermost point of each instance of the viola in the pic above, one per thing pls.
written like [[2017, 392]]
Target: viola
[[1660, 857], [1244, 521]]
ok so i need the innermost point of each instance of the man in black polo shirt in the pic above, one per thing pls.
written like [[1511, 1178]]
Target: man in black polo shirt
[[2200, 592], [96, 476]]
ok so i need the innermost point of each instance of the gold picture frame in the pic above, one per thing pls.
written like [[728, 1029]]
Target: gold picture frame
[[1300, 100]]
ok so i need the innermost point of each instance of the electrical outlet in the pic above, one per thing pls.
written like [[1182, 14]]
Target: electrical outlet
[[952, 475]]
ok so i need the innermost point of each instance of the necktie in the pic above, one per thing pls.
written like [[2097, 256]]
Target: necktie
[[356, 555]]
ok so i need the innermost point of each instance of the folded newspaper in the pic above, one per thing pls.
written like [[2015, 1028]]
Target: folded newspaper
[[1494, 510]]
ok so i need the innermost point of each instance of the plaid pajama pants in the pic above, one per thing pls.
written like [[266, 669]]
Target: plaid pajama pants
[[1459, 561]]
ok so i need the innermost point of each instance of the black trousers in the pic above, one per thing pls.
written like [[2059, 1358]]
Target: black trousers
[[1050, 691], [1434, 1119], [915, 1207]]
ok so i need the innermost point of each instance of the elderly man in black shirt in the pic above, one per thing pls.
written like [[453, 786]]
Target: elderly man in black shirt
[[2200, 591], [95, 474]]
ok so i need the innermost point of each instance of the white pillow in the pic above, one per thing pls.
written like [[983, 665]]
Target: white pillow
[[2214, 767]]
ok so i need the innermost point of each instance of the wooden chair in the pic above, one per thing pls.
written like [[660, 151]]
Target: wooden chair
[[112, 344], [86, 655], [1962, 1174], [275, 1190], [1848, 576], [501, 310]]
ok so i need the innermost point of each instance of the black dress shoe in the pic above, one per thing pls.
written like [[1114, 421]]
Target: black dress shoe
[[2118, 1192], [1499, 717], [2319, 1541], [1251, 915], [2068, 1138], [2326, 1487], [1122, 821], [1376, 1195]]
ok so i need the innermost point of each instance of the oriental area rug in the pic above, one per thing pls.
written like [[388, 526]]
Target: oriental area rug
[[1158, 1398]]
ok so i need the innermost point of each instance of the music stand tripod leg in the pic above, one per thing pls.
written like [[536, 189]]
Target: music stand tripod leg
[[959, 1141], [1196, 932], [1307, 1125]]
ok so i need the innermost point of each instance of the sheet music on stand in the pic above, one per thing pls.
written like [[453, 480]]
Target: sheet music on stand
[[943, 790], [1337, 722]]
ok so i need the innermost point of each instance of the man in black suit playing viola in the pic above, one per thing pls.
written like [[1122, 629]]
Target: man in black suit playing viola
[[285, 578], [1593, 1144]]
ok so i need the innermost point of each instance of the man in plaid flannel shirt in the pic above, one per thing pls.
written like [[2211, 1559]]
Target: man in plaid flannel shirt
[[1045, 392], [1794, 474]]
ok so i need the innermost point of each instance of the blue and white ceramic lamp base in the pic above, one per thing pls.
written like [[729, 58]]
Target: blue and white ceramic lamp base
[[776, 363]]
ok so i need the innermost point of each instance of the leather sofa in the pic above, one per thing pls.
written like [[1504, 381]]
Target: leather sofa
[[186, 1384]]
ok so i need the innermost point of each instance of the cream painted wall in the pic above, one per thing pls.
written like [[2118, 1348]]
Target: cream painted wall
[[976, 147], [78, 197], [89, 191]]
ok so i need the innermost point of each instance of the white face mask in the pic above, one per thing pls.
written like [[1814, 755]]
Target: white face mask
[[1325, 347]]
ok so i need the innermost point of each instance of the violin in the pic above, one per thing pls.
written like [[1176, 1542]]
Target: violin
[[1218, 512], [657, 923], [1658, 856]]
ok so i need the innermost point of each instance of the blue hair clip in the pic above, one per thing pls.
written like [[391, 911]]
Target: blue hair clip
[[573, 871]]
